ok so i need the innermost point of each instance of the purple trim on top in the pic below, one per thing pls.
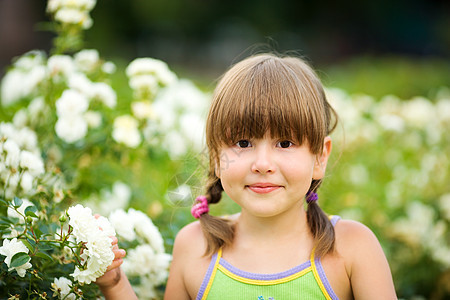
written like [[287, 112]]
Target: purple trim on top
[[257, 276], [334, 220], [324, 279], [207, 277]]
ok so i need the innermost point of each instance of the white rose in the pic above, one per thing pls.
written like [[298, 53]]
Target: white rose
[[123, 224], [60, 65], [80, 83], [61, 287], [26, 182], [98, 253], [87, 59], [93, 119], [105, 94], [31, 162], [71, 103], [11, 248], [12, 87], [71, 129], [142, 109], [13, 154], [109, 67], [126, 131]]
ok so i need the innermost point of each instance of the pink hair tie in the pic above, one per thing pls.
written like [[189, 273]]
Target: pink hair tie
[[200, 207]]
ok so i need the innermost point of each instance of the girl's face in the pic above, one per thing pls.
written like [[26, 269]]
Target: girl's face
[[268, 176]]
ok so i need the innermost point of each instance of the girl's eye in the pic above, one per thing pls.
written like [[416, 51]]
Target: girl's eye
[[243, 144], [285, 144]]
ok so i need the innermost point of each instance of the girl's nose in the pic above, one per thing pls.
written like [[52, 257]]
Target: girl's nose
[[263, 160]]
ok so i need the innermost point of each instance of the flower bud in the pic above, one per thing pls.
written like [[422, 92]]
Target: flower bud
[[63, 218]]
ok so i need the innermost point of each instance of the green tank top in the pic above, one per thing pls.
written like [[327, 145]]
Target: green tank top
[[306, 281]]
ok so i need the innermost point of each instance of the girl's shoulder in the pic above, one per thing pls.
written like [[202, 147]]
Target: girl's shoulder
[[189, 263], [353, 238], [191, 239]]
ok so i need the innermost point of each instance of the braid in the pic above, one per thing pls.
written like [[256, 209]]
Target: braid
[[218, 231], [320, 225]]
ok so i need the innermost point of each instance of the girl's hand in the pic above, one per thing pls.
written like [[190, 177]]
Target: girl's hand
[[113, 272]]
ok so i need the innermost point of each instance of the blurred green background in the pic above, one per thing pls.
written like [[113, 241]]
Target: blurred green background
[[383, 47]]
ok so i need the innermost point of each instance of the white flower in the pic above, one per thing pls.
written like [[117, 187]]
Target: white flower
[[109, 67], [93, 119], [71, 129], [145, 228], [30, 60], [71, 103], [117, 198], [87, 59], [60, 65], [61, 288], [20, 118], [193, 128], [418, 111], [175, 144], [144, 84], [80, 82], [31, 162], [13, 154], [123, 224], [36, 108], [104, 93], [142, 109], [11, 248], [74, 16], [98, 254], [26, 182], [12, 87], [126, 131], [151, 66]]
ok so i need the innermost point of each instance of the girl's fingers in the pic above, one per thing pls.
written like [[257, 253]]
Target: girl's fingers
[[119, 254], [115, 264]]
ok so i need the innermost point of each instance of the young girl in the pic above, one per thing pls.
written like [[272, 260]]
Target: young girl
[[268, 137]]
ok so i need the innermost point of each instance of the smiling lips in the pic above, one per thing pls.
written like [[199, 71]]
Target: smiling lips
[[263, 188]]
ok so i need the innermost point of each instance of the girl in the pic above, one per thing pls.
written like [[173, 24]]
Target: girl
[[268, 137]]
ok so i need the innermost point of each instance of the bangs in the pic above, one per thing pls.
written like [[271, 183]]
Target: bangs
[[267, 94]]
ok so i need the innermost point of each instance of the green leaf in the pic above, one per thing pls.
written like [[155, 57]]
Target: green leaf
[[28, 245], [17, 202], [4, 201], [31, 211], [19, 259], [44, 256]]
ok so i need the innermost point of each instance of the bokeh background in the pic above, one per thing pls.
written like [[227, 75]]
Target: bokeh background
[[386, 66], [359, 45]]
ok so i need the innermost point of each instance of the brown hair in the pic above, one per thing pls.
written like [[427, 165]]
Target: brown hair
[[267, 93]]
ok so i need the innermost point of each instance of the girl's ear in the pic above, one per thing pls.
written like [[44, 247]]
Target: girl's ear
[[321, 160]]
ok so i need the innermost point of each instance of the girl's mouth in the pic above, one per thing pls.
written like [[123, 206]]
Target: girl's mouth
[[263, 188]]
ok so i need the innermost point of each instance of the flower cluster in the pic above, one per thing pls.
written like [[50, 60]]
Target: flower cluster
[[395, 175], [74, 12], [148, 260], [94, 236], [20, 160], [147, 75], [33, 72]]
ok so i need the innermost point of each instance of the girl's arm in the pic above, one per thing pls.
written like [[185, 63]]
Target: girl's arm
[[366, 264]]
